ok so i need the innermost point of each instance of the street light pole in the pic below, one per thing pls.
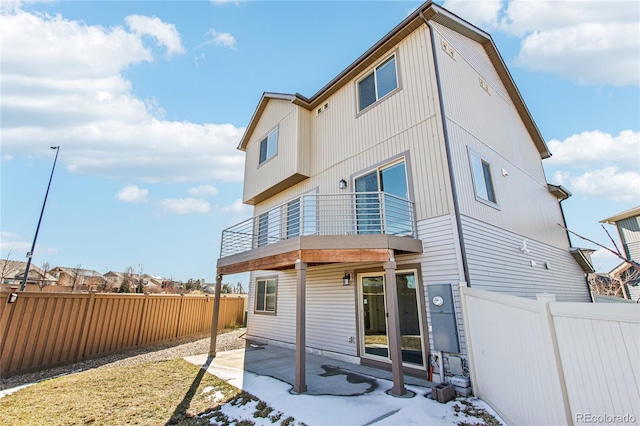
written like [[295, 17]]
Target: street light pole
[[33, 246]]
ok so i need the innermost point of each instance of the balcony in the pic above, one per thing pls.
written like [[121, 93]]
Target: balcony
[[321, 228]]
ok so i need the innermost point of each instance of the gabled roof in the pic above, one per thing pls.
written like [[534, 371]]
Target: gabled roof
[[427, 11], [622, 216], [79, 271]]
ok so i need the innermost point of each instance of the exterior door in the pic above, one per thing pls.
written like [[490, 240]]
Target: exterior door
[[374, 341]]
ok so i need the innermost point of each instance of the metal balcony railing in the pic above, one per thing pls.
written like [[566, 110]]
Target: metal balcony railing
[[323, 214]]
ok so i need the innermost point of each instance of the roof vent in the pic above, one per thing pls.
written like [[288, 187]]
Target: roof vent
[[448, 49]]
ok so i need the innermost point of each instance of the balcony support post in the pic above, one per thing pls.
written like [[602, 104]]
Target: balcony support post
[[300, 385], [395, 348], [214, 319]]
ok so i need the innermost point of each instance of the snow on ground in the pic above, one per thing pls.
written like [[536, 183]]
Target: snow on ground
[[317, 410], [9, 391]]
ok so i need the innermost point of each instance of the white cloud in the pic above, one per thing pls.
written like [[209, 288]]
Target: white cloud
[[133, 194], [17, 246], [62, 84], [185, 205], [596, 147], [589, 53], [608, 183], [222, 2], [590, 42], [237, 208], [597, 164], [601, 253], [203, 191], [221, 39], [165, 34], [479, 13]]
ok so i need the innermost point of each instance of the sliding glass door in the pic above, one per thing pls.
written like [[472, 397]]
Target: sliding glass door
[[391, 179]]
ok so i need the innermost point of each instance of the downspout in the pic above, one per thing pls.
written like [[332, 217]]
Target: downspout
[[456, 206]]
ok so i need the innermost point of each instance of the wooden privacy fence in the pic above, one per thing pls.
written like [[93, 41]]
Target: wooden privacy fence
[[546, 362], [43, 330]]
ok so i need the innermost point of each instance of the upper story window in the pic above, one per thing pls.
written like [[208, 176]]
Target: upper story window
[[378, 84], [482, 180], [269, 146]]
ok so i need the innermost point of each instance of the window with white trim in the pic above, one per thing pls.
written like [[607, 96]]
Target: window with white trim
[[482, 179], [266, 295], [269, 146], [378, 84]]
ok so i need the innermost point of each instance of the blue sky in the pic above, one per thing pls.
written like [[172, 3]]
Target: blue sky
[[148, 101]]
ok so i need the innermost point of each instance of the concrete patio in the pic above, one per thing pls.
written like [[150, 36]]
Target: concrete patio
[[325, 376]]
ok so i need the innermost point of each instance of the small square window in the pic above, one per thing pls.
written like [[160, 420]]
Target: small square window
[[266, 295], [482, 179], [378, 84], [269, 146]]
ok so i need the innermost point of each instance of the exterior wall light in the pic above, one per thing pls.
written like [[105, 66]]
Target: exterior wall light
[[342, 184], [346, 278]]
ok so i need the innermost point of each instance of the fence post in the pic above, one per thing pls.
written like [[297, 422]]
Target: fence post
[[467, 333], [143, 318], [551, 347], [179, 316], [85, 327]]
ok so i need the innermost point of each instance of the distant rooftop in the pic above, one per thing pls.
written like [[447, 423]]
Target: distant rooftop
[[635, 211]]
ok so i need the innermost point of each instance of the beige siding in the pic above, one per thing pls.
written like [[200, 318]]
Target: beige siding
[[291, 157], [441, 264], [497, 263], [492, 119], [494, 131], [525, 205], [331, 310], [343, 143], [332, 307]]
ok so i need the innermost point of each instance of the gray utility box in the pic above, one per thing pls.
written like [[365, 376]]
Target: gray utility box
[[443, 318]]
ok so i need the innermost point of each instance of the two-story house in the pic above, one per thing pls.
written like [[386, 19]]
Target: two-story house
[[417, 168]]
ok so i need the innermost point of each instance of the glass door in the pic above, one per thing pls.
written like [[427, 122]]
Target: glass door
[[391, 179], [374, 321], [373, 317]]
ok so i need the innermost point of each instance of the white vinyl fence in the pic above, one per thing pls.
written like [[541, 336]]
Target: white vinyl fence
[[553, 363]]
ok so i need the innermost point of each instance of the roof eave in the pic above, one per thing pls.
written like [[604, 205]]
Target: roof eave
[[632, 212]]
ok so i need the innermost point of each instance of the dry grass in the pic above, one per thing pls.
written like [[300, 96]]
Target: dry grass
[[170, 392]]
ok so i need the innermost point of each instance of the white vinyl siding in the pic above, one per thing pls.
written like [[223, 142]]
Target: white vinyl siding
[[497, 263]]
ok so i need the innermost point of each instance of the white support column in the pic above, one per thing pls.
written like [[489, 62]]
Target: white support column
[[395, 348], [300, 385], [214, 319]]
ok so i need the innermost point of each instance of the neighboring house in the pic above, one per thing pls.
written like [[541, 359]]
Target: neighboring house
[[418, 165], [78, 278], [151, 283], [12, 273], [628, 225]]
